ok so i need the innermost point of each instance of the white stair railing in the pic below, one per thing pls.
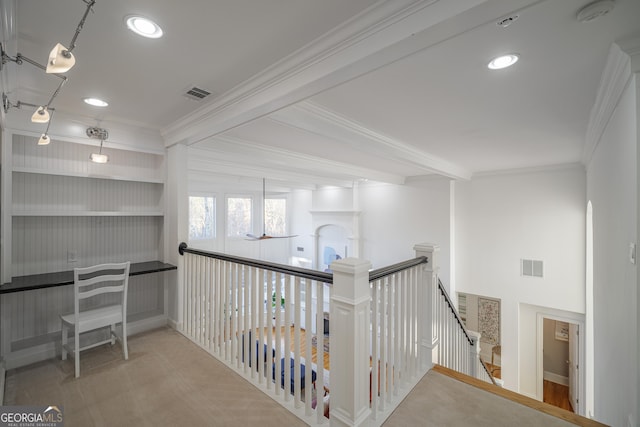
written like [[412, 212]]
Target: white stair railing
[[397, 296], [235, 307], [388, 327], [458, 348]]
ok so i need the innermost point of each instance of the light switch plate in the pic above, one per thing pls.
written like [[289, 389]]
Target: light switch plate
[[72, 256]]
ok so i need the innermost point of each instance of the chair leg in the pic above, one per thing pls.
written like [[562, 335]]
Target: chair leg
[[76, 354], [125, 350], [65, 340]]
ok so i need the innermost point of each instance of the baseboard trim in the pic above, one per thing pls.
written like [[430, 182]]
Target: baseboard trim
[[49, 350], [555, 378]]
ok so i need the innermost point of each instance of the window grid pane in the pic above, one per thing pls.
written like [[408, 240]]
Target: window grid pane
[[238, 216], [202, 218], [275, 211]]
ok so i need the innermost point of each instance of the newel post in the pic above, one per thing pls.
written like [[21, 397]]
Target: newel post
[[350, 342], [429, 338], [474, 352]]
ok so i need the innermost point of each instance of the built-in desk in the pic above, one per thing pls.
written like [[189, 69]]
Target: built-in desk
[[62, 278], [30, 308]]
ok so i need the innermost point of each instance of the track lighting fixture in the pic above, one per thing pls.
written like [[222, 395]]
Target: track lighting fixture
[[60, 58]]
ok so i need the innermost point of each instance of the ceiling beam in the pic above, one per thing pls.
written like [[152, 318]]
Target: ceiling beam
[[346, 52], [246, 154], [318, 120]]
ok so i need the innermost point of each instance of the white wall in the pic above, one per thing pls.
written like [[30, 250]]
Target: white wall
[[301, 202], [501, 219], [612, 187], [394, 218]]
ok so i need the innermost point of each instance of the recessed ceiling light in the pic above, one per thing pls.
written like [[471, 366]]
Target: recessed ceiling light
[[144, 27], [503, 61], [96, 102]]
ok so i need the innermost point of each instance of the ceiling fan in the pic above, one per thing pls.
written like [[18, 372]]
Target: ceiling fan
[[265, 236]]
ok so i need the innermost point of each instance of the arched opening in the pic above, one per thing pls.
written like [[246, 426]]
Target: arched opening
[[332, 245]]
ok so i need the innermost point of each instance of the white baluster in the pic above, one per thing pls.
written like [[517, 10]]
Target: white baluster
[[296, 338], [287, 336], [375, 357], [319, 352]]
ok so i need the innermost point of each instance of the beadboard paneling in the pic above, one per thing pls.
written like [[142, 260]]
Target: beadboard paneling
[[37, 313], [52, 193], [42, 244], [73, 158]]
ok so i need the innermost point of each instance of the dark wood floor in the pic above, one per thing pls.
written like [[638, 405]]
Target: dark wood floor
[[553, 393], [557, 395]]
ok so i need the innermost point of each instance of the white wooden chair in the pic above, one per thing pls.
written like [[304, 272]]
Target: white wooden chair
[[89, 282]]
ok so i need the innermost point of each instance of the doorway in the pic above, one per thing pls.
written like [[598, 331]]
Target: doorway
[[560, 363]]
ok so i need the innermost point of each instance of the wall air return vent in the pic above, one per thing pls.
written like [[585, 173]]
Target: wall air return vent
[[531, 268], [197, 94]]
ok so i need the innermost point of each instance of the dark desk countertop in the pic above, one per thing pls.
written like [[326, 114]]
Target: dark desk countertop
[[62, 278]]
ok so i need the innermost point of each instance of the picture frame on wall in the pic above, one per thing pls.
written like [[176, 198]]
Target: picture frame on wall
[[562, 331]]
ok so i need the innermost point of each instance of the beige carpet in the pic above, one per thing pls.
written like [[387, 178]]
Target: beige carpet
[[439, 401], [167, 381]]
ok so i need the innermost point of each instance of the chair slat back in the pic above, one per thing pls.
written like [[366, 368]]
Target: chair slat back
[[87, 280]]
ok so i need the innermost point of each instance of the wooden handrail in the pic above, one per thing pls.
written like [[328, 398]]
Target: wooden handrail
[[305, 273], [395, 268]]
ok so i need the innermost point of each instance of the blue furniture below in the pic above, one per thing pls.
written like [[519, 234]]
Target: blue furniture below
[[257, 353], [292, 367]]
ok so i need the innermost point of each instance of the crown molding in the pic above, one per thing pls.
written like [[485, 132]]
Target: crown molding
[[531, 170], [631, 46], [311, 117], [614, 80], [243, 152], [336, 57]]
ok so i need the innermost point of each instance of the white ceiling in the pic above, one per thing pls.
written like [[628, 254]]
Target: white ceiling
[[332, 90]]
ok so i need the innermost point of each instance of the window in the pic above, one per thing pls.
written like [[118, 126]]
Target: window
[[238, 216], [275, 219], [202, 217]]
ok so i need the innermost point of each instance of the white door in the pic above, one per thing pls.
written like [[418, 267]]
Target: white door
[[574, 366]]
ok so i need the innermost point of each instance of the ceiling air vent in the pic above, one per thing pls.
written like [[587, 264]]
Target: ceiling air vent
[[197, 93]]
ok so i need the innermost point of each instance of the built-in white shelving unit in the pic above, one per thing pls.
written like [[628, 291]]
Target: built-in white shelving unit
[[62, 211]]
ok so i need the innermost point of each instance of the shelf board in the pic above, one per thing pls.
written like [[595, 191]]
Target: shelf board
[[62, 278], [85, 213], [21, 169]]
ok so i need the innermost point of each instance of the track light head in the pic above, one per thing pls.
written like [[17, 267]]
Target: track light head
[[44, 139], [60, 60], [41, 115]]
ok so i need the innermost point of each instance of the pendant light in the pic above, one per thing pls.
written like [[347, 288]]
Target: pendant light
[[102, 134]]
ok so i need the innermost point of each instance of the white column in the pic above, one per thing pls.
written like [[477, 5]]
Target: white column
[[176, 224], [474, 353], [429, 339], [350, 343]]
